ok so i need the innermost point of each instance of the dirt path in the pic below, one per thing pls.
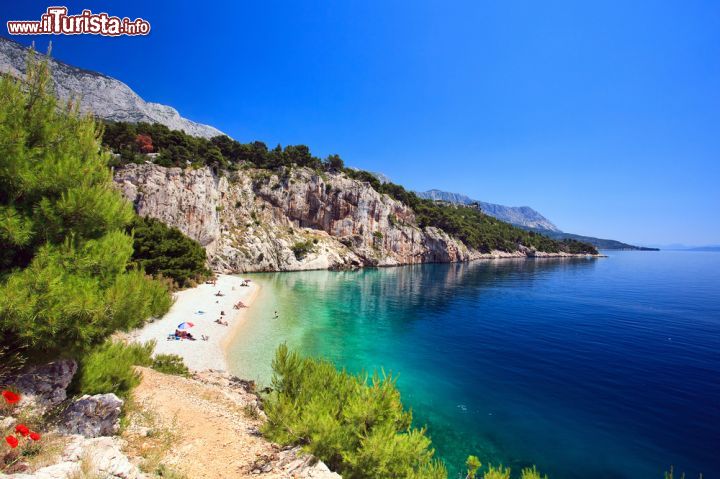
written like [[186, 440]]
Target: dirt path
[[206, 428]]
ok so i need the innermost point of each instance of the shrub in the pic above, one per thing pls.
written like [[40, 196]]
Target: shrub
[[531, 473], [472, 464], [170, 364], [165, 251], [497, 473], [355, 425], [110, 367], [301, 249]]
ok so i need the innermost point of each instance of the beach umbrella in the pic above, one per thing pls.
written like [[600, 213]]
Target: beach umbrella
[[185, 325]]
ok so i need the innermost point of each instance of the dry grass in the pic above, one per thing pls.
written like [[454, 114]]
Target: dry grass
[[251, 412], [149, 439], [87, 470]]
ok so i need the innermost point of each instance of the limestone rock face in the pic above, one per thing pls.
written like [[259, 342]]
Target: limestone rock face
[[44, 386], [294, 463], [105, 97], [256, 220], [103, 455], [93, 416]]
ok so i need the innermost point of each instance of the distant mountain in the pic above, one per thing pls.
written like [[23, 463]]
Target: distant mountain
[[106, 97], [683, 247], [599, 243], [518, 215], [529, 219]]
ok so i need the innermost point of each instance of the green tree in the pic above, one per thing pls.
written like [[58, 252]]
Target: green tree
[[334, 163], [164, 251], [64, 256]]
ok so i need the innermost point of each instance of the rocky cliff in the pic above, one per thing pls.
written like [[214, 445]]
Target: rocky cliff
[[297, 219], [105, 97]]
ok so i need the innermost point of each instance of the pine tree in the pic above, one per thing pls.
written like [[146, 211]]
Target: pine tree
[[356, 424], [64, 255]]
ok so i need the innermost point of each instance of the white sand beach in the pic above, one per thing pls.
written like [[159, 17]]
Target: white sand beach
[[201, 306]]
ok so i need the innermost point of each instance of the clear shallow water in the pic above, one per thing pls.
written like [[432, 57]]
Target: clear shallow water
[[605, 368]]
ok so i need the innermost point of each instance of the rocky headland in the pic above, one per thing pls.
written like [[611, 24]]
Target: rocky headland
[[297, 219]]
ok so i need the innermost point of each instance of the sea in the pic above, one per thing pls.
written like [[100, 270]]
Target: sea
[[593, 368]]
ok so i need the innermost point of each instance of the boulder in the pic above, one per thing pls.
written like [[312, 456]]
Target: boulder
[[92, 416], [44, 386], [294, 463]]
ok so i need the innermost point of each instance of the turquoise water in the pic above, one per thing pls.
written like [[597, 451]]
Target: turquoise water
[[606, 368]]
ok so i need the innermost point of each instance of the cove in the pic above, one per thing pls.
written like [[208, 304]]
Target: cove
[[589, 368]]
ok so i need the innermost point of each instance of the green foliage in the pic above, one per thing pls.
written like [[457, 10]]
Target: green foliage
[[64, 278], [334, 162], [302, 249], [177, 148], [164, 251], [110, 367], [472, 464], [170, 364], [497, 473], [354, 424], [531, 473]]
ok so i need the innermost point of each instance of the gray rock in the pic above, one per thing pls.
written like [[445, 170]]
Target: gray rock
[[92, 416], [251, 220], [102, 456], [44, 386], [294, 463], [105, 97]]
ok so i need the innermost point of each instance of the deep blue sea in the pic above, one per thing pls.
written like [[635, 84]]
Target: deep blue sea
[[588, 368]]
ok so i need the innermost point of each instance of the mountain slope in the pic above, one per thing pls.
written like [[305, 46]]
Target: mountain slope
[[106, 97], [599, 243], [517, 215], [529, 219]]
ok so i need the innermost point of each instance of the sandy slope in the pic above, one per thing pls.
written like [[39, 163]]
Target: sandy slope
[[201, 428]]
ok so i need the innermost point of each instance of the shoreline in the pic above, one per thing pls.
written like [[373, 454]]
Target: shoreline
[[212, 354], [488, 257], [202, 307], [238, 320]]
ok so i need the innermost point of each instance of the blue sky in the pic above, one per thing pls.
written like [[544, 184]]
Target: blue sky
[[603, 116]]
